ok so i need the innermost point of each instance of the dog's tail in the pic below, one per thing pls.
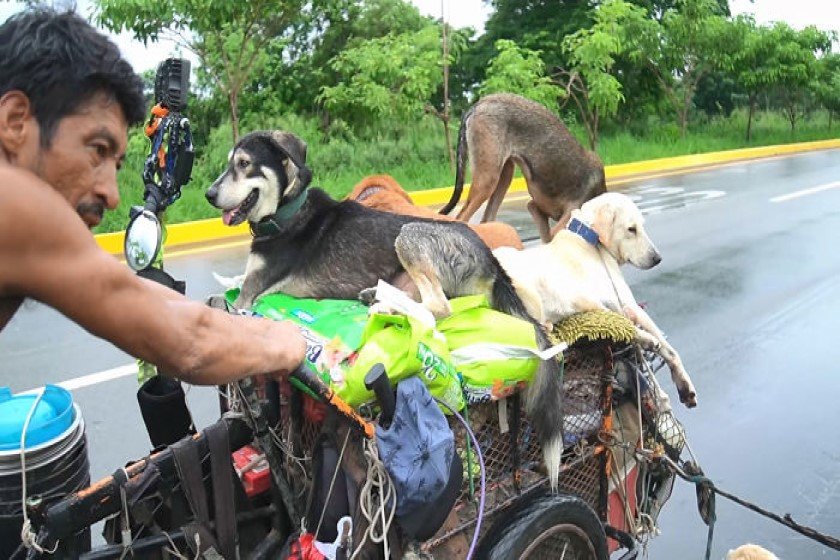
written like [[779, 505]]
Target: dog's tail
[[461, 156], [544, 399]]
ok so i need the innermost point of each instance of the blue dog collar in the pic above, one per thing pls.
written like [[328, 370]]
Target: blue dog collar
[[580, 228]]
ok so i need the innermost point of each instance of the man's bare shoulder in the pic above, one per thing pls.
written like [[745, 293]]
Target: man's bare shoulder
[[22, 191], [36, 223]]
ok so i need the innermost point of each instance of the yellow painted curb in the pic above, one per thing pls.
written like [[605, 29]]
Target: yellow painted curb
[[432, 197], [186, 233], [214, 230]]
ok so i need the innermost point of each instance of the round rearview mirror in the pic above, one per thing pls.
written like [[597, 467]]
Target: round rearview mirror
[[142, 240]]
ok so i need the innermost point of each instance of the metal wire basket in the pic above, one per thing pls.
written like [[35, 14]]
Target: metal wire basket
[[512, 454]]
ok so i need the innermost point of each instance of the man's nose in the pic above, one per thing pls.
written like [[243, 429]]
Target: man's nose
[[108, 190]]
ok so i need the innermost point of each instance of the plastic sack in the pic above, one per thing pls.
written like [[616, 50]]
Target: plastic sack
[[344, 343], [494, 352]]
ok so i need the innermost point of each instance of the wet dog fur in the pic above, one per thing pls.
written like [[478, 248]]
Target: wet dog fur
[[383, 192], [331, 249], [503, 130], [570, 275], [750, 552]]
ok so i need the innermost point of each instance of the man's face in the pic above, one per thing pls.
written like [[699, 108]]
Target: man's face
[[87, 150]]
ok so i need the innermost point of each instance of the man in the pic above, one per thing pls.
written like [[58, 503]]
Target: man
[[66, 101]]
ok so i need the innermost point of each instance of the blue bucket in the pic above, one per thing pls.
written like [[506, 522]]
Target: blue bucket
[[56, 458], [52, 417]]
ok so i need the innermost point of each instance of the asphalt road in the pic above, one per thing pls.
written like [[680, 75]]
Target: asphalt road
[[748, 292]]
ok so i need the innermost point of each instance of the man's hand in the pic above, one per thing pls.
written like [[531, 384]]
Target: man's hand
[[290, 344]]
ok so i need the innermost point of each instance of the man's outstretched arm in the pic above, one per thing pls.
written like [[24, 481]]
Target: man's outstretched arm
[[46, 253]]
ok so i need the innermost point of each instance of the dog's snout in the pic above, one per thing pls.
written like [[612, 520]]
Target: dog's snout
[[657, 258], [211, 194]]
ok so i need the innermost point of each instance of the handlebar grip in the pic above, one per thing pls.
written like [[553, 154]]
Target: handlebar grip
[[377, 381]]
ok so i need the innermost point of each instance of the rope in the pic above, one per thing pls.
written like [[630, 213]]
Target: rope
[[702, 482], [27, 535], [376, 494]]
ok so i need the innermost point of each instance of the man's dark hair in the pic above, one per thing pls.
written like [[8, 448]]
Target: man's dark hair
[[60, 62]]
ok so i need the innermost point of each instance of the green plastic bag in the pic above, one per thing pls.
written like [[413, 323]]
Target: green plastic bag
[[494, 352], [406, 348], [344, 343]]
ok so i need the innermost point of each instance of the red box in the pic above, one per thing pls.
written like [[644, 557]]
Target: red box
[[252, 469]]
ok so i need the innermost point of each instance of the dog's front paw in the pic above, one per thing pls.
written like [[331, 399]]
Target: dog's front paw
[[688, 396], [368, 296]]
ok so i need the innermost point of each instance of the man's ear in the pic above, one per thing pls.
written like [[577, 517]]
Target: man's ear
[[16, 122]]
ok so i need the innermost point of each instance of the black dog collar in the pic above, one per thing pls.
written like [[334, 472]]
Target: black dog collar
[[583, 230], [270, 225]]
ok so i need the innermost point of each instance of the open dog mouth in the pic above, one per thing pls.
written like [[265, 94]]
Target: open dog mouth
[[236, 216]]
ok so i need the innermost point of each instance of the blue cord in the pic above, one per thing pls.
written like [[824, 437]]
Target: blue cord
[[483, 482]]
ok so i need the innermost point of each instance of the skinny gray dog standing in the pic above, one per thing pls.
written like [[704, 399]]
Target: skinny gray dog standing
[[503, 130]]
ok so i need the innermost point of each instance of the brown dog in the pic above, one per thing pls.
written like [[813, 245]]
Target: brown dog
[[503, 130], [382, 192]]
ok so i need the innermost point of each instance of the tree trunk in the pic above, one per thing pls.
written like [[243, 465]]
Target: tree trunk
[[233, 99], [750, 116], [445, 116], [448, 139], [791, 111], [830, 116]]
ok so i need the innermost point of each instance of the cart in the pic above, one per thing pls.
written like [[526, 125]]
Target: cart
[[610, 494]]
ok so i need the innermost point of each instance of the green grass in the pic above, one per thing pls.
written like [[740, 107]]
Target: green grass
[[415, 155]]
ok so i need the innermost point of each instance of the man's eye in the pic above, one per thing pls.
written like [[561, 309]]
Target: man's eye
[[102, 151]]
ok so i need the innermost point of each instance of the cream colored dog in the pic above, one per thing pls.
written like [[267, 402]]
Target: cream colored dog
[[578, 270], [751, 552]]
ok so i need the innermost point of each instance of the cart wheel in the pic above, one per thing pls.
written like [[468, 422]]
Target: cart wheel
[[552, 528]]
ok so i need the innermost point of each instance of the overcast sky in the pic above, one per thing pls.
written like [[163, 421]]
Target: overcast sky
[[825, 14]]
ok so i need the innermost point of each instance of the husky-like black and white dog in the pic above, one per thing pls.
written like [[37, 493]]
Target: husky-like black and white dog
[[308, 245]]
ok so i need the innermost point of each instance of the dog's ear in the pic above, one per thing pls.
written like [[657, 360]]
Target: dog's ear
[[604, 222], [295, 148]]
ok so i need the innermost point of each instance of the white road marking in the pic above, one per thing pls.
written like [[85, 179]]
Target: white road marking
[[99, 377], [805, 192]]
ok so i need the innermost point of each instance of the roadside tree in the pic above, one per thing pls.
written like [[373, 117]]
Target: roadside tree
[[692, 40], [591, 81], [521, 71], [229, 38]]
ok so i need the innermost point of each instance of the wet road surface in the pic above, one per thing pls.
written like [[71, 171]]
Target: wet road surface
[[748, 292]]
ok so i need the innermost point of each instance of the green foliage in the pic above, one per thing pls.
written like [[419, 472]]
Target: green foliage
[[826, 82], [228, 37], [592, 52], [520, 70], [295, 75], [536, 25], [390, 77], [691, 40]]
